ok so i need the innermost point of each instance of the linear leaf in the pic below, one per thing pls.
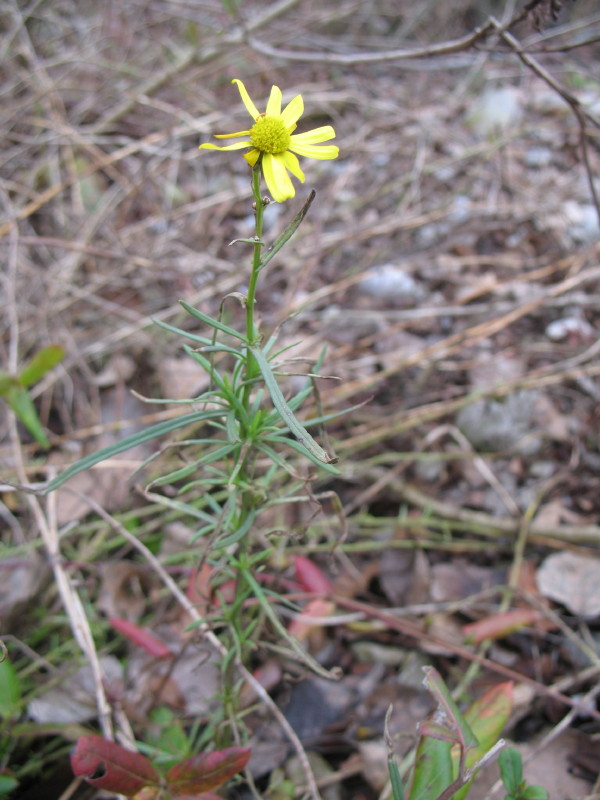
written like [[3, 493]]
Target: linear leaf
[[22, 404], [287, 415], [41, 363], [287, 234], [214, 323], [299, 448], [128, 442]]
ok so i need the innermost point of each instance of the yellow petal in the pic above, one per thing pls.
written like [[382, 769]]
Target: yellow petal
[[291, 163], [293, 111], [278, 181], [315, 151], [323, 134], [274, 104], [252, 157], [230, 135], [250, 107], [235, 146]]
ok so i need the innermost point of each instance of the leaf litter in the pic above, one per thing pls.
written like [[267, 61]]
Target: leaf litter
[[457, 289]]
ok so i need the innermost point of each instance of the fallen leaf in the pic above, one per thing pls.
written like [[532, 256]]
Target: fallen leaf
[[74, 698], [311, 577], [497, 626], [301, 627], [141, 638], [206, 771], [573, 580], [107, 765], [22, 579]]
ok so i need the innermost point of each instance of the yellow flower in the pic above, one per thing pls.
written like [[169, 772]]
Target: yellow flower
[[271, 139]]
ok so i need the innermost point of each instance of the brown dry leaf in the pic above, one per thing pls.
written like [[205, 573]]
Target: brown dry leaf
[[374, 763], [191, 683], [108, 486], [21, 581], [550, 513], [550, 420], [571, 579], [444, 628], [459, 579], [74, 699], [321, 770], [125, 590], [405, 576], [586, 754]]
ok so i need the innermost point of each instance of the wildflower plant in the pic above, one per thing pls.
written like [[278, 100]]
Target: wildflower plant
[[246, 433]]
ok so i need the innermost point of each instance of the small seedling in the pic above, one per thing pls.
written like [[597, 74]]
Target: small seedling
[[13, 388], [108, 766], [452, 746], [511, 772]]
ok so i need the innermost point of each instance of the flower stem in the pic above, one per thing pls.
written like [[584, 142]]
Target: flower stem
[[251, 331], [248, 499]]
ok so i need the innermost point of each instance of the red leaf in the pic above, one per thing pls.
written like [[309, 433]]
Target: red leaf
[[311, 577], [319, 607], [141, 637], [201, 796], [198, 590], [107, 765], [499, 625], [206, 771]]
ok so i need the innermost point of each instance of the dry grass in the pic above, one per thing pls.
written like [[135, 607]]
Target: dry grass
[[110, 216]]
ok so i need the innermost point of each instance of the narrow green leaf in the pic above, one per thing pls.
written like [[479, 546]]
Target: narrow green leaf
[[486, 717], [21, 403], [287, 415], [287, 234], [209, 344], [247, 240], [275, 457], [226, 390], [432, 770], [269, 611], [440, 731], [214, 323], [231, 426], [448, 708], [6, 382], [131, 441], [285, 440], [236, 536], [511, 769], [535, 792], [10, 690], [180, 332], [183, 508], [7, 784], [41, 363], [395, 779]]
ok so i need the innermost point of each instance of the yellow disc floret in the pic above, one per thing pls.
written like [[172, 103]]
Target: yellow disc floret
[[273, 145], [270, 135]]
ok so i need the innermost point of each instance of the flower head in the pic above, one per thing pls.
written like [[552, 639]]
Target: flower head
[[271, 139]]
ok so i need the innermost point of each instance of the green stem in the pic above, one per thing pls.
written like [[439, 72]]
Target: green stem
[[251, 332], [247, 499]]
